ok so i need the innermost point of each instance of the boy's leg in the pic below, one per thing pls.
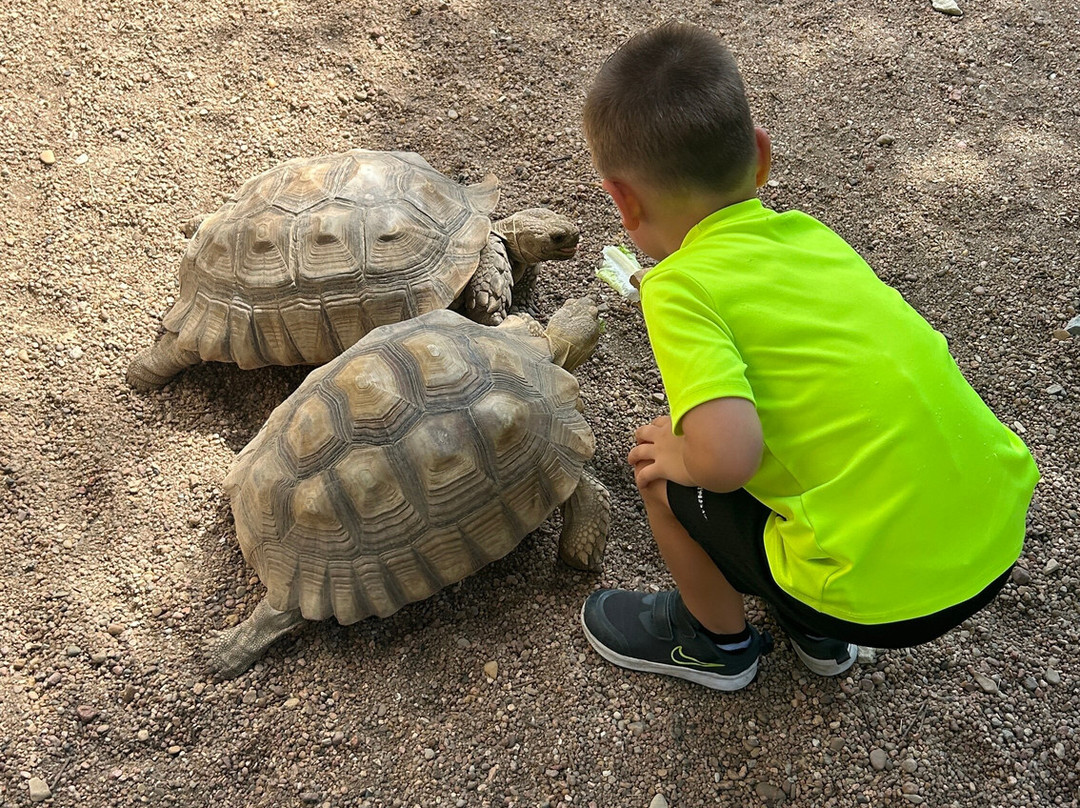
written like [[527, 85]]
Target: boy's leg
[[730, 529], [704, 589], [675, 633]]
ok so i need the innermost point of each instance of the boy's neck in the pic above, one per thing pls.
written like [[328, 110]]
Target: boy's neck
[[679, 215]]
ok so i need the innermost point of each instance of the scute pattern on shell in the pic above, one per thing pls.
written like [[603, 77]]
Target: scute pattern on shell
[[309, 256], [427, 450]]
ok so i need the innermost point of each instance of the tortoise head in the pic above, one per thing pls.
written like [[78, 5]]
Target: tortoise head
[[538, 234], [573, 331]]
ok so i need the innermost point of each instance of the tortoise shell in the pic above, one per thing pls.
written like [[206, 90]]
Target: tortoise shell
[[311, 255], [425, 451]]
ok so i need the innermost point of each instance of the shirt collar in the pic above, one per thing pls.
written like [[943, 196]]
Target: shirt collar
[[746, 209]]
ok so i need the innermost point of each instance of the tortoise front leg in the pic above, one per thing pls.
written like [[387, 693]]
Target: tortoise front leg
[[154, 367], [586, 516], [233, 651], [487, 295], [525, 291]]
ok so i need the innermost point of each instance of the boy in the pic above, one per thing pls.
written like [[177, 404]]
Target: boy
[[823, 450]]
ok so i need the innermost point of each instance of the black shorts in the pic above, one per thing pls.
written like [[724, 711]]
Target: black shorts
[[731, 528]]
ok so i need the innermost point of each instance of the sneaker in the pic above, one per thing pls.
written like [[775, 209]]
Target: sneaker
[[821, 655], [656, 633]]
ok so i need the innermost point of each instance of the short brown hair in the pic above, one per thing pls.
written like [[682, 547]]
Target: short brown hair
[[669, 107]]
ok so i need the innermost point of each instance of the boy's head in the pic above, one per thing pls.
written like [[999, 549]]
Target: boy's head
[[668, 109]]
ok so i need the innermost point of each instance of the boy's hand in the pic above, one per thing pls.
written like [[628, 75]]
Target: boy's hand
[[658, 454]]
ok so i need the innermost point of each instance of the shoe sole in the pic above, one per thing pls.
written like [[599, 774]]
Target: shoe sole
[[710, 680], [826, 667]]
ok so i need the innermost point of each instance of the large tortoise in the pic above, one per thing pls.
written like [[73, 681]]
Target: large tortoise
[[309, 256], [425, 451]]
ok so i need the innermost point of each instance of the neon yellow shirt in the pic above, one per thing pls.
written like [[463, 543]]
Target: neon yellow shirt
[[896, 491]]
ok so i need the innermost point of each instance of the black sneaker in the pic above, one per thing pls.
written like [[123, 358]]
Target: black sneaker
[[821, 655], [656, 633]]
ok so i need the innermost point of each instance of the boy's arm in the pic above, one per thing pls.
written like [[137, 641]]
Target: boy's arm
[[722, 443], [719, 450]]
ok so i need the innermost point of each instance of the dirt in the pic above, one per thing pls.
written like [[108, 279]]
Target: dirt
[[942, 147]]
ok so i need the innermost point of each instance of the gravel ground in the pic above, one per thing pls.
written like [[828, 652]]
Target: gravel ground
[[942, 147]]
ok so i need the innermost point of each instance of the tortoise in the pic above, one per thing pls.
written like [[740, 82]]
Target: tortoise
[[309, 256], [426, 450]]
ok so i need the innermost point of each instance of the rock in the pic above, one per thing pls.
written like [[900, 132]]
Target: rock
[[72, 650], [1052, 677], [47, 157], [886, 140], [39, 790], [1061, 334], [491, 669], [429, 753], [867, 655], [87, 713], [291, 703], [1021, 576], [1055, 390], [1073, 326], [985, 683], [81, 159], [770, 794], [116, 629], [659, 801], [947, 7], [878, 758], [909, 765], [1053, 565]]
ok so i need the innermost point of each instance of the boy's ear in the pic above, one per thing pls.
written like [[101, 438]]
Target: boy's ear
[[627, 201], [764, 154]]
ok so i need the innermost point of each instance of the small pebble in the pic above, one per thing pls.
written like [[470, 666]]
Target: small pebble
[[659, 801], [985, 683], [72, 650], [47, 157], [174, 750], [1021, 576], [143, 735], [290, 703], [87, 713], [491, 669], [886, 140], [1052, 677], [947, 7], [116, 629], [867, 655], [909, 765], [39, 790], [1053, 565], [878, 758], [429, 753], [1072, 328]]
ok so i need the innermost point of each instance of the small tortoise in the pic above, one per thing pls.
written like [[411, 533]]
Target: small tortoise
[[309, 256], [425, 451]]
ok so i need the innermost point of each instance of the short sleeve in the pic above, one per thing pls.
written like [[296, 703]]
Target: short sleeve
[[694, 349]]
